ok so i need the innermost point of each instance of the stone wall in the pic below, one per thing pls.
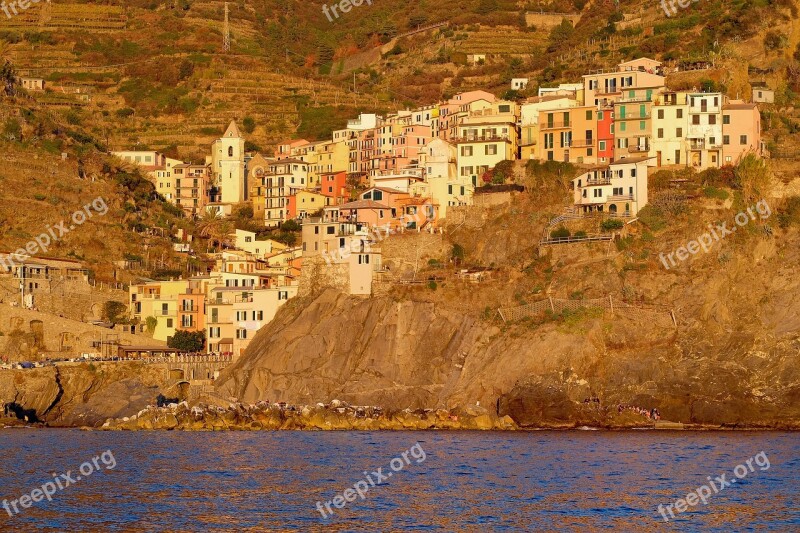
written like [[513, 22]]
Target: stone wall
[[317, 275], [74, 299], [546, 21], [26, 334]]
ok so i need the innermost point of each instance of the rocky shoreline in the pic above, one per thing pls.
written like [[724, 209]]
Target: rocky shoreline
[[343, 417], [337, 416]]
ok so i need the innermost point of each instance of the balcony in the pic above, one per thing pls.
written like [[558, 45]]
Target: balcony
[[582, 143], [640, 148], [243, 299], [597, 181], [481, 138], [637, 116], [555, 125], [620, 198]]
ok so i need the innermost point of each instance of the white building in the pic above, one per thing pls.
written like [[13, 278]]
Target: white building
[[619, 188], [519, 84]]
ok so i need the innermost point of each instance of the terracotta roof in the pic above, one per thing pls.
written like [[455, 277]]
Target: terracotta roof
[[740, 106]]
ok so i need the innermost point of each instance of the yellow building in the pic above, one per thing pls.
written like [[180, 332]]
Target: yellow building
[[158, 300], [670, 127], [485, 138]]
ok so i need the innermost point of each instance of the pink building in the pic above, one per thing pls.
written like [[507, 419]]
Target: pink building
[[741, 131]]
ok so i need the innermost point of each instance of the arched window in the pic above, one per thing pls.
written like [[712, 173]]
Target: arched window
[[230, 151]]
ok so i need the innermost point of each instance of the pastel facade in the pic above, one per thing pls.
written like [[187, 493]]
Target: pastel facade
[[704, 139], [568, 135], [485, 138], [530, 112], [619, 188], [670, 126], [741, 132]]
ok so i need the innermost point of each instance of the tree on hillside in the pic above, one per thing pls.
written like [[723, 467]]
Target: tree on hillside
[[249, 124], [8, 79], [752, 177], [189, 341], [215, 228], [114, 311]]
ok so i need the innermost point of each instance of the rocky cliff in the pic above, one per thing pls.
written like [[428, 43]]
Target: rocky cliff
[[82, 394], [712, 341]]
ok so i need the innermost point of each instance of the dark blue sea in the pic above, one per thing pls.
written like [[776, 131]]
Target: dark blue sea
[[440, 481]]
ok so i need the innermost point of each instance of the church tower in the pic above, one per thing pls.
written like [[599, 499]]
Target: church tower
[[227, 160]]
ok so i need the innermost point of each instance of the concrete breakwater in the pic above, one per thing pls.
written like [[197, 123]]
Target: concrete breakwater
[[335, 416]]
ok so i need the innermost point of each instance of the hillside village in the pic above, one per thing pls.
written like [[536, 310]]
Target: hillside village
[[384, 175], [401, 172]]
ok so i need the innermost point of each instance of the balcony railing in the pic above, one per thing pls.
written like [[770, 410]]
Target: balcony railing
[[639, 148], [620, 198], [582, 143], [481, 138], [598, 181], [555, 125], [636, 116]]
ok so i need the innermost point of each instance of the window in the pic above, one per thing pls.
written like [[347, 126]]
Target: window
[[679, 113], [169, 322], [241, 334], [330, 230], [660, 133], [622, 126], [283, 295], [466, 151], [712, 119], [633, 172], [726, 139], [661, 114], [258, 315], [600, 115], [241, 315], [504, 108], [589, 114], [214, 333], [230, 151], [726, 119], [642, 125], [696, 120], [491, 149], [602, 145], [598, 193], [679, 132], [743, 139], [363, 259]]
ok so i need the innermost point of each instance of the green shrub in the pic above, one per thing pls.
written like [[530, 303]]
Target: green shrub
[[713, 192], [580, 234], [560, 233], [612, 224]]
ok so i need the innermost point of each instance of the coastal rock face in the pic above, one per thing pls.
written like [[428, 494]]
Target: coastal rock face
[[414, 354], [83, 394]]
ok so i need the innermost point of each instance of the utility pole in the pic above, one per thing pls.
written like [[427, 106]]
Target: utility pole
[[226, 32]]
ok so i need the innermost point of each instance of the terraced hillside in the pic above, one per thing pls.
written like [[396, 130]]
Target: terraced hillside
[[154, 73]]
